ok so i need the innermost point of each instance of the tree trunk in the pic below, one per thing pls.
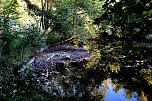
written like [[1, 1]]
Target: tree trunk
[[45, 19]]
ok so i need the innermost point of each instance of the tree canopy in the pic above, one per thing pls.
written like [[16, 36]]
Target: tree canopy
[[126, 17]]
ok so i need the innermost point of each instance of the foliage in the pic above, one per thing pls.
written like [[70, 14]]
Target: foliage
[[8, 9], [126, 17], [66, 18], [17, 44], [16, 87], [69, 17], [74, 17]]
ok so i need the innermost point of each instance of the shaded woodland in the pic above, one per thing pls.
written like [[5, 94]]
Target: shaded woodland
[[60, 50]]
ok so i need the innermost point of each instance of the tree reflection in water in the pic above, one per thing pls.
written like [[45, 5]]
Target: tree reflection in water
[[113, 94], [117, 73], [122, 69], [129, 70]]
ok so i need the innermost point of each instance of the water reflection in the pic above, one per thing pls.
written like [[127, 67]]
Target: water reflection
[[128, 67], [116, 95], [118, 72]]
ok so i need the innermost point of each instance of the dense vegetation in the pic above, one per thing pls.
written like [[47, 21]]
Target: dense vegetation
[[127, 18], [28, 25]]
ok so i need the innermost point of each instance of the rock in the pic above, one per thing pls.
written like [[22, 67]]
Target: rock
[[65, 54]]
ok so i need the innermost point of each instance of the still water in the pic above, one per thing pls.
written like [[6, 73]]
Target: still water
[[117, 72], [113, 95]]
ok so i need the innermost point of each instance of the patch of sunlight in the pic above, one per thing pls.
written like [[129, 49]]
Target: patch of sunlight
[[37, 2], [117, 0], [25, 18]]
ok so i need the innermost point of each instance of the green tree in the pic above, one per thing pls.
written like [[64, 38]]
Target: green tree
[[126, 17], [7, 14], [68, 17]]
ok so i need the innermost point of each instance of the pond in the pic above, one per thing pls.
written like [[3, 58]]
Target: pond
[[119, 71], [124, 72]]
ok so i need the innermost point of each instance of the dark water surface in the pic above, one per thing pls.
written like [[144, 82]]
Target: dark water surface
[[117, 72], [126, 72]]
